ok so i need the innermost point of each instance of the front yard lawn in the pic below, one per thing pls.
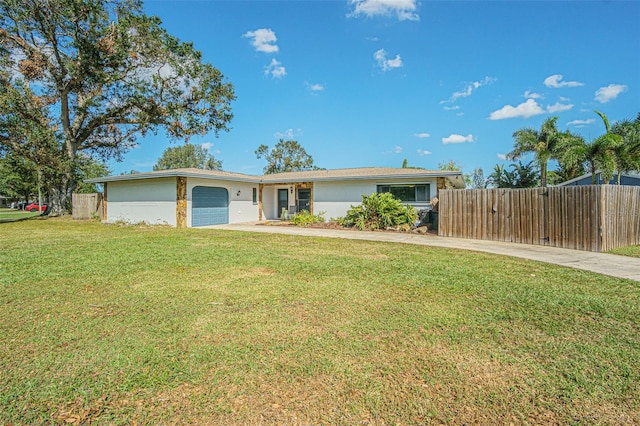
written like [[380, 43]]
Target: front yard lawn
[[107, 324], [633, 251], [9, 215]]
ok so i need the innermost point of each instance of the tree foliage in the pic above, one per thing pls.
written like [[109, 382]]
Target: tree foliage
[[543, 144], [520, 176], [91, 76], [18, 178], [187, 156], [478, 180], [286, 156], [627, 152], [449, 165], [598, 154]]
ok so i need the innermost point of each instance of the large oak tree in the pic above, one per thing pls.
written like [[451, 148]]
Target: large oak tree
[[90, 76]]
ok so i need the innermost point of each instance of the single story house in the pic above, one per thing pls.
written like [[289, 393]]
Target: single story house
[[625, 179], [194, 197]]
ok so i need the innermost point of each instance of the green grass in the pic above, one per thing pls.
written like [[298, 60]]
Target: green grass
[[119, 325], [9, 215], [633, 251]]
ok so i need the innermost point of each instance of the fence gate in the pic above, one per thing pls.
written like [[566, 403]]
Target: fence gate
[[86, 206]]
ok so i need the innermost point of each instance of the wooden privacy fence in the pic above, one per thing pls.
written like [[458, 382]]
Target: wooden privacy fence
[[86, 206], [594, 218]]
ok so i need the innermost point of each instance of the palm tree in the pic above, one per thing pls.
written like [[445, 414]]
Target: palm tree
[[597, 154], [521, 176], [542, 143], [628, 152]]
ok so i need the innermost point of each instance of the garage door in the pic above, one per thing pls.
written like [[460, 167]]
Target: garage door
[[210, 206]]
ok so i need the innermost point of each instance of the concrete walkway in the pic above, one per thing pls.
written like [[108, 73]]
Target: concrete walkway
[[606, 264]]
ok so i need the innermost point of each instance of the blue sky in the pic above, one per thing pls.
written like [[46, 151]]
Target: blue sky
[[370, 83]]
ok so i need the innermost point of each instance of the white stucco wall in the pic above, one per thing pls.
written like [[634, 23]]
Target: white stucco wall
[[336, 198], [152, 201], [241, 207], [270, 200]]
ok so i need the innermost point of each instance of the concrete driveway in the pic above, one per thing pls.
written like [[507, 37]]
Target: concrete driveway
[[606, 264]]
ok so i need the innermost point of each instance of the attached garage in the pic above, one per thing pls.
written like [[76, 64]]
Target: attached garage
[[210, 206]]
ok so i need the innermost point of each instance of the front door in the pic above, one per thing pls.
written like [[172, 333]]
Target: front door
[[304, 200], [283, 201]]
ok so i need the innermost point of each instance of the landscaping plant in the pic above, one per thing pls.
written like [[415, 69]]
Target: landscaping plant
[[304, 218], [380, 211]]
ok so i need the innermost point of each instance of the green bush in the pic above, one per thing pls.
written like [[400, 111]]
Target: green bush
[[304, 218], [380, 211]]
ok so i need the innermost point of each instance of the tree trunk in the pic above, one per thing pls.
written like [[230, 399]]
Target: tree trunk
[[39, 188], [543, 175], [60, 195]]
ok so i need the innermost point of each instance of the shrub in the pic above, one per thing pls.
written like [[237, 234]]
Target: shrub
[[304, 218], [379, 211]]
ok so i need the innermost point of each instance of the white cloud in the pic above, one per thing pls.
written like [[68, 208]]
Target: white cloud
[[452, 108], [421, 135], [397, 149], [558, 107], [456, 138], [531, 95], [315, 87], [263, 40], [502, 156], [581, 123], [528, 109], [468, 90], [387, 64], [555, 82], [276, 69], [525, 110], [610, 92], [207, 145], [288, 134], [423, 152], [405, 10]]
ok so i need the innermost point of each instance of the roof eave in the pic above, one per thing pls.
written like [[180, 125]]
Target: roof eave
[[170, 173], [452, 176], [444, 174]]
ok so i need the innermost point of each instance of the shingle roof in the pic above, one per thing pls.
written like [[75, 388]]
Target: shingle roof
[[356, 173], [179, 172], [289, 177]]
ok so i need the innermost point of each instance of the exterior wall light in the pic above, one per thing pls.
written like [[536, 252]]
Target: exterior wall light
[[238, 193]]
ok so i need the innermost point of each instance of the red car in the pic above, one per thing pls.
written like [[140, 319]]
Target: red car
[[35, 207]]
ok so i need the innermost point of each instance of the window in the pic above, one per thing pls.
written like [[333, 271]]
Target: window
[[407, 193], [255, 195]]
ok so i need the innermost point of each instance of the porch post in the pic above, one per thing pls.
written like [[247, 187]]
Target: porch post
[[181, 202], [441, 185], [260, 188], [104, 202]]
